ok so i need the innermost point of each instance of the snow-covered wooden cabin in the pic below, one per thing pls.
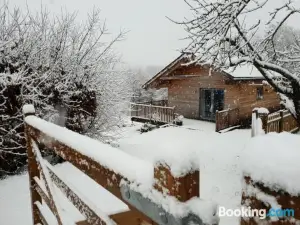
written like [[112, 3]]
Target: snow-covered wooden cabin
[[198, 92]]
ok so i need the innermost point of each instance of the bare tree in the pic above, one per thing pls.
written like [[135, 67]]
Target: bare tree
[[67, 70], [221, 36]]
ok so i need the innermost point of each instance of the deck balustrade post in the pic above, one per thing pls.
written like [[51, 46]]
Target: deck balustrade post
[[183, 188], [253, 127], [33, 170], [281, 121], [264, 120], [256, 113], [151, 112], [217, 121]]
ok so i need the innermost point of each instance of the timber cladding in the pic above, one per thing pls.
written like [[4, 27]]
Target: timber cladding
[[184, 93]]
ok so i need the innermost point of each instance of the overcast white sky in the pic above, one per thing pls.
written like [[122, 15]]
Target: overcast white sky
[[152, 40]]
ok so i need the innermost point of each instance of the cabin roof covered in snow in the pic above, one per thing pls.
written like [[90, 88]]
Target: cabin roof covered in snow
[[244, 72], [241, 72]]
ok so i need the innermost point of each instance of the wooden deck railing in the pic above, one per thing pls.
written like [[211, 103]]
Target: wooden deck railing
[[227, 118], [152, 113], [155, 102], [45, 181], [279, 121]]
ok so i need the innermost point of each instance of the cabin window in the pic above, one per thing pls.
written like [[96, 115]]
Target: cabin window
[[259, 93]]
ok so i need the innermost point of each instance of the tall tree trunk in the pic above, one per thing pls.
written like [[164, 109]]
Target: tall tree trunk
[[296, 101]]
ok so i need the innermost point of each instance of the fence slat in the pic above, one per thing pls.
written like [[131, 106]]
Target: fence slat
[[41, 214], [48, 184], [81, 205]]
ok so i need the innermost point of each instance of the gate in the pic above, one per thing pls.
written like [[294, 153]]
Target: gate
[[153, 196], [227, 118]]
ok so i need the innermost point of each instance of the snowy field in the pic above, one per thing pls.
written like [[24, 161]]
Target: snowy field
[[218, 156]]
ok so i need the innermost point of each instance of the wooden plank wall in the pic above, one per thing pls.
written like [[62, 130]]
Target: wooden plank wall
[[248, 101], [185, 93]]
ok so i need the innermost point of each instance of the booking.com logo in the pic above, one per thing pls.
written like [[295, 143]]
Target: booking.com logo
[[260, 213]]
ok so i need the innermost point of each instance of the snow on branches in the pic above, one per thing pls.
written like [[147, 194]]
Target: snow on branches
[[67, 70], [228, 33]]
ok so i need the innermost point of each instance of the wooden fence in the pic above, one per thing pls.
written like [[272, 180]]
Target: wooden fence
[[44, 179], [227, 118], [279, 121], [282, 198], [152, 113]]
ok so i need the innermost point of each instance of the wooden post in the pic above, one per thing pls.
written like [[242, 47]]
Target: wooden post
[[256, 113], [281, 121], [217, 121], [33, 170], [253, 127], [264, 120], [183, 188]]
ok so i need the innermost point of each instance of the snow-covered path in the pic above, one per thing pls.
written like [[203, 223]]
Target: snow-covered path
[[220, 173], [220, 176]]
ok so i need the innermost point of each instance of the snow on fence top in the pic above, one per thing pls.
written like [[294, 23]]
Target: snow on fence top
[[160, 146], [28, 109], [274, 159], [262, 110], [130, 167]]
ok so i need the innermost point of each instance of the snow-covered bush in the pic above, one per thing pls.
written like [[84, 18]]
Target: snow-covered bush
[[178, 120], [155, 117], [65, 69], [147, 127]]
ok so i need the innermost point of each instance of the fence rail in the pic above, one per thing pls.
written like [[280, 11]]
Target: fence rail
[[227, 118], [45, 181], [279, 121], [153, 113], [155, 102]]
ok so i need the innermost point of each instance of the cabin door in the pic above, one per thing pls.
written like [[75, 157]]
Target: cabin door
[[211, 100]]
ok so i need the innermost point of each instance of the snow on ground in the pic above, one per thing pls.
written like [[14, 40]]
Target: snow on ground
[[199, 125], [218, 154]]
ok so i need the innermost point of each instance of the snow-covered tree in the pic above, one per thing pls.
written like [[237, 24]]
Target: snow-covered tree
[[139, 78], [65, 69], [227, 33]]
